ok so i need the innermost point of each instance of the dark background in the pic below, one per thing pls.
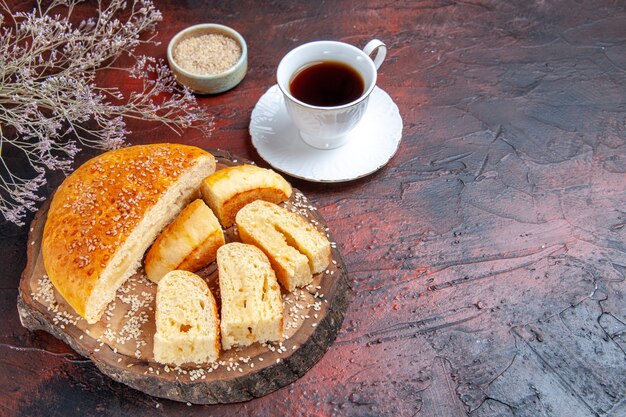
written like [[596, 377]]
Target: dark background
[[487, 259]]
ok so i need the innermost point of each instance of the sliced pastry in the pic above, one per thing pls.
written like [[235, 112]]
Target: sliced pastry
[[189, 243], [252, 309], [294, 247], [187, 324], [229, 189]]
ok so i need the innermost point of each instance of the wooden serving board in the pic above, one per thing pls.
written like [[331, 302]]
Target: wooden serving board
[[120, 344]]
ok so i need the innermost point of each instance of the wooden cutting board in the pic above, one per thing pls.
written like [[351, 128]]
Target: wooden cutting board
[[120, 344]]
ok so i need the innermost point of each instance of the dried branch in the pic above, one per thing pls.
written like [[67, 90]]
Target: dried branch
[[50, 103]]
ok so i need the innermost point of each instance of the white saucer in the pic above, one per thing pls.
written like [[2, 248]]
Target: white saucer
[[374, 141]]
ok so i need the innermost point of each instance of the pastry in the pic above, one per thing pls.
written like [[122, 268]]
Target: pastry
[[252, 309], [189, 243], [229, 189], [187, 325], [294, 247], [107, 213]]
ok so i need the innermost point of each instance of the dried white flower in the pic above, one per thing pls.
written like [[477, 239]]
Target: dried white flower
[[50, 103]]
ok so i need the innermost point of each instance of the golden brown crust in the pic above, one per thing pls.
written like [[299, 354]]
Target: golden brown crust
[[229, 189], [153, 255], [189, 243], [99, 205], [204, 254]]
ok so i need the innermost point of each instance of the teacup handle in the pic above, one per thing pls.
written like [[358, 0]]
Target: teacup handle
[[380, 55]]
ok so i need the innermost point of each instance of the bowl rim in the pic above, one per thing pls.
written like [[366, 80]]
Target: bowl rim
[[202, 26]]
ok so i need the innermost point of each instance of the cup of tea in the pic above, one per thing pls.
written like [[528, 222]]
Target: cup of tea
[[326, 85]]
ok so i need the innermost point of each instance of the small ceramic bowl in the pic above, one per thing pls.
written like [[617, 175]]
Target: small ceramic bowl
[[209, 83]]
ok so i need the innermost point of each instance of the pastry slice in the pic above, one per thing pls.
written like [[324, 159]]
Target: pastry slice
[[189, 243], [229, 189], [252, 309], [187, 324], [294, 247]]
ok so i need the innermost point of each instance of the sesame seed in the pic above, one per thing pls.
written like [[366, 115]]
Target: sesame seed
[[207, 54]]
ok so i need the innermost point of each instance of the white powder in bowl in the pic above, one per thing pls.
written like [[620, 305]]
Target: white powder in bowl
[[207, 54]]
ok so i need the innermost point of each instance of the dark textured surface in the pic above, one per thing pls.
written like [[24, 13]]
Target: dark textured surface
[[487, 259]]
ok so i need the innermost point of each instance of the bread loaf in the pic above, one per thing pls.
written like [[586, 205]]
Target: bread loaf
[[294, 247], [229, 189], [108, 212], [252, 309], [187, 325], [189, 243]]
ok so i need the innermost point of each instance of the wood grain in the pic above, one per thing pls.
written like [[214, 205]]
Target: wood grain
[[313, 316], [487, 258]]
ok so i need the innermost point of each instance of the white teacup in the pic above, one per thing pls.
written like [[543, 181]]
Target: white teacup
[[328, 127]]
